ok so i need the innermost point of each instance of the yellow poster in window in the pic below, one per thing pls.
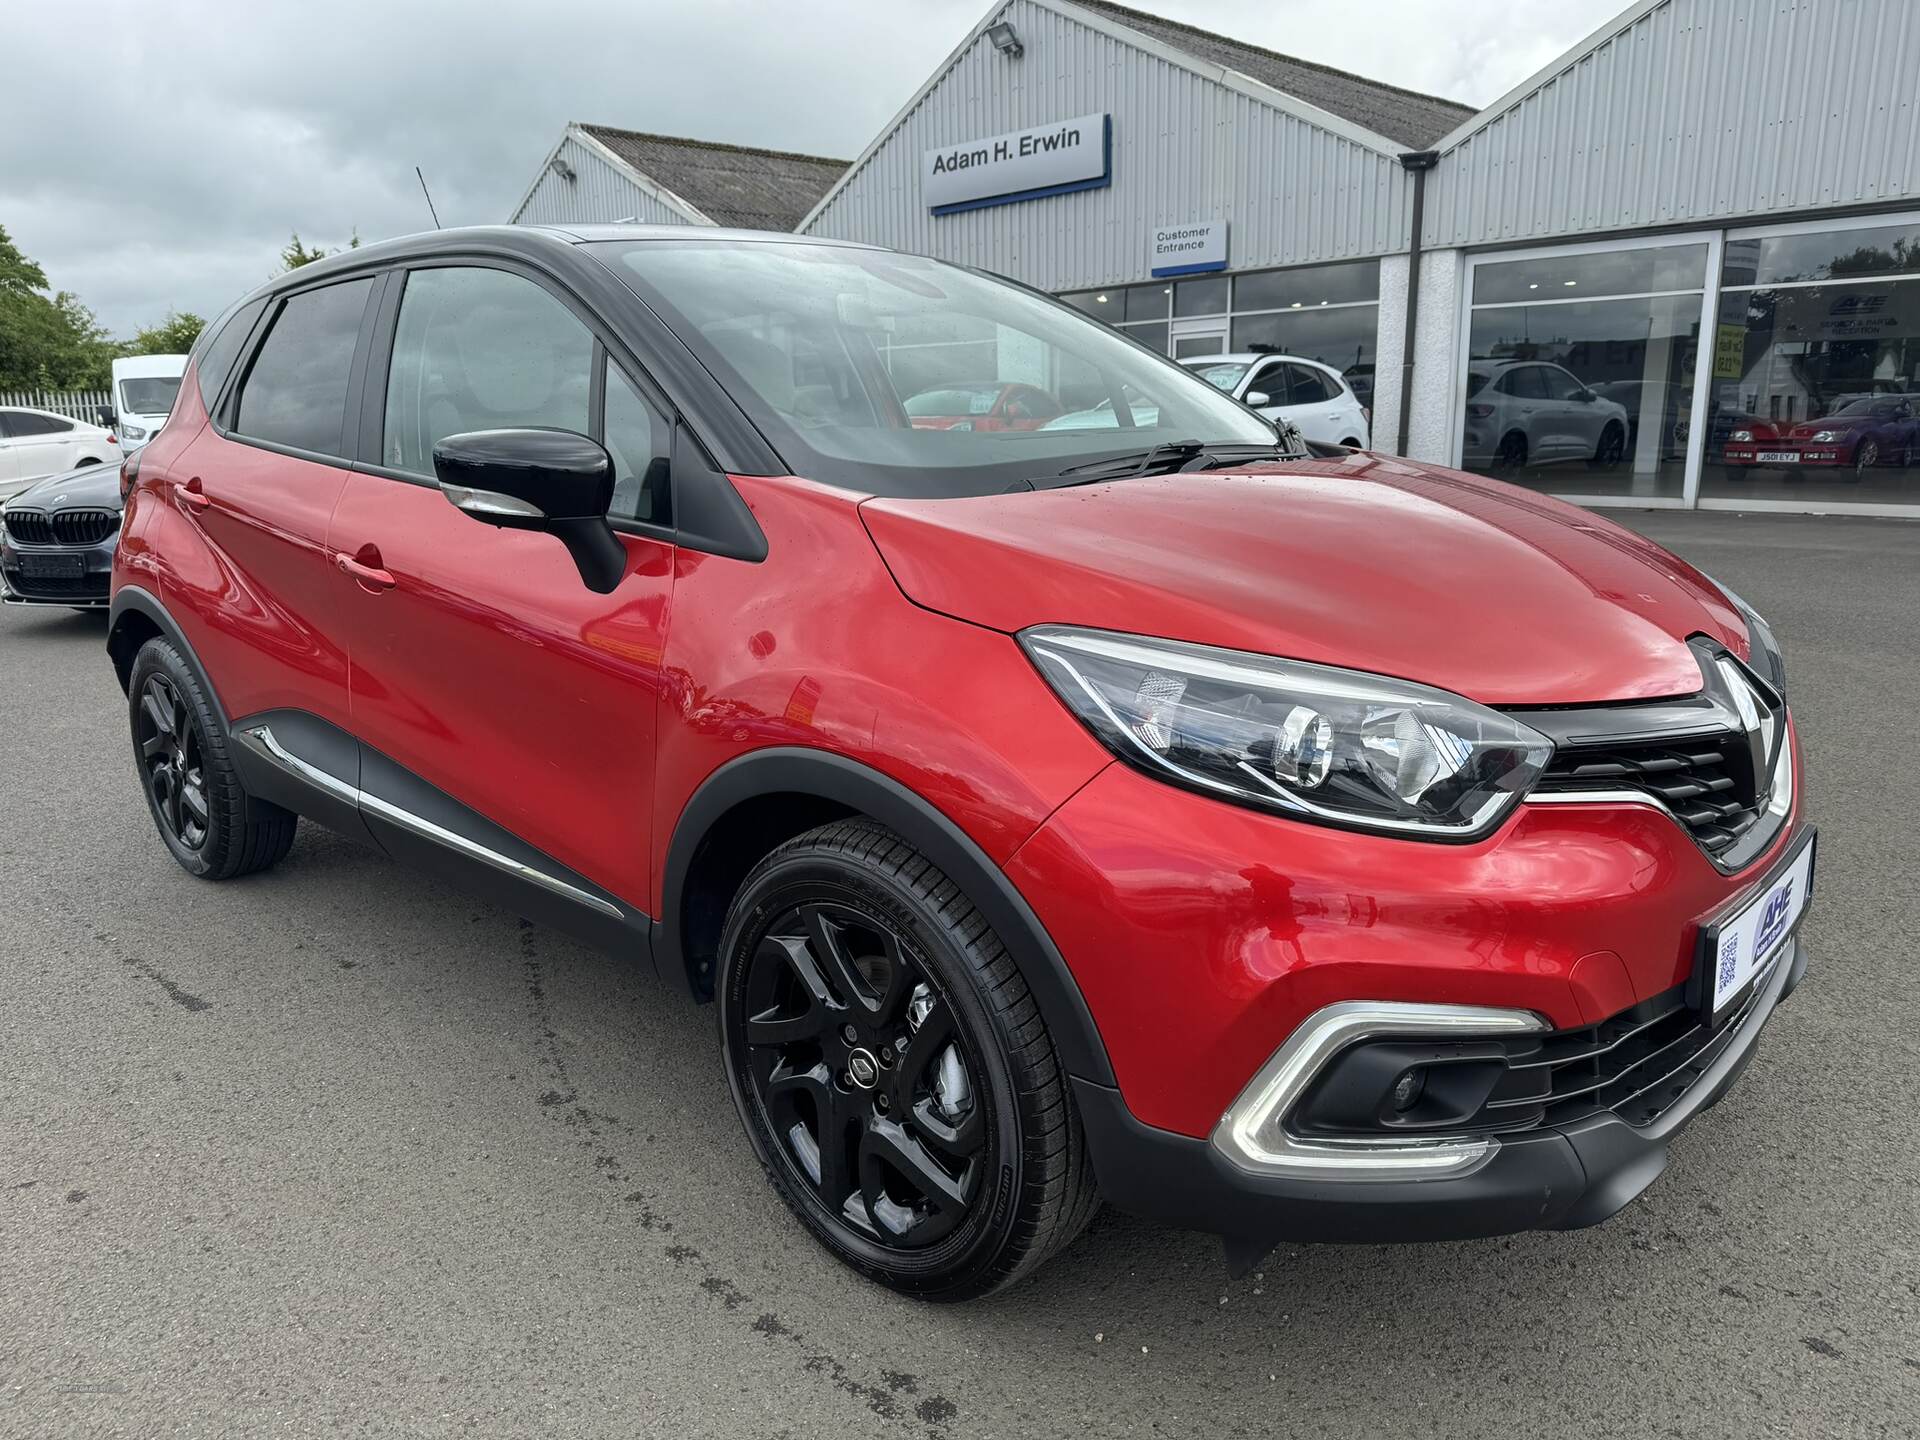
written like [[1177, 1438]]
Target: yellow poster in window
[[1730, 353]]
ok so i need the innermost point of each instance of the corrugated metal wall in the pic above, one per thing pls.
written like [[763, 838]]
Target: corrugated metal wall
[[597, 192], [1185, 148], [1700, 111]]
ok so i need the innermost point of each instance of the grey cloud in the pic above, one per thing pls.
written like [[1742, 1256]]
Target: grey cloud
[[168, 170]]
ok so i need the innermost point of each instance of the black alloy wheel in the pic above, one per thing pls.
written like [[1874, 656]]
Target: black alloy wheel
[[889, 1064], [863, 1076], [171, 757]]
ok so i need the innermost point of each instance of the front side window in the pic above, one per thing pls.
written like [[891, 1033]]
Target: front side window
[[831, 350], [296, 392], [479, 349], [638, 442]]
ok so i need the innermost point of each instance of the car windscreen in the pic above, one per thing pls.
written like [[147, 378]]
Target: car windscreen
[[822, 346], [1222, 375], [149, 394], [1876, 406]]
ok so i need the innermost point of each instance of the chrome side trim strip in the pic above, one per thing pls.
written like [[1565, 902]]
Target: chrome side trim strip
[[1253, 1133], [260, 739]]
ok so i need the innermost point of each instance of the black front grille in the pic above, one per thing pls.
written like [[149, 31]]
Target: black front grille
[[77, 588], [1707, 783], [62, 527]]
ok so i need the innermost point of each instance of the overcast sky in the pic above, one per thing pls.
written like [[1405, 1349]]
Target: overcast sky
[[157, 156]]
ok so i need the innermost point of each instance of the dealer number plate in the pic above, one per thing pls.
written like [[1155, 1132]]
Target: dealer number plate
[[1738, 948]]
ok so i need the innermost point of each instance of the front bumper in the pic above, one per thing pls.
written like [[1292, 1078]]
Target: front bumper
[[1558, 1178], [90, 590]]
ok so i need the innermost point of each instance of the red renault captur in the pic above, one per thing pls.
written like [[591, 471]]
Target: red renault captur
[[1288, 842]]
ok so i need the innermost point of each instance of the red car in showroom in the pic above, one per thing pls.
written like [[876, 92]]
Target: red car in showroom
[[1292, 844], [1861, 433]]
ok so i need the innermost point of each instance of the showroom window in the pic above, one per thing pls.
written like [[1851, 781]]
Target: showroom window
[[1580, 368], [1815, 395], [1329, 313]]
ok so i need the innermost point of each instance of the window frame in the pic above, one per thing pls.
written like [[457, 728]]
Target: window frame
[[226, 412], [607, 350]]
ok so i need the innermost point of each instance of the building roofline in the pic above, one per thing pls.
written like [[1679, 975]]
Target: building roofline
[[1324, 69], [1094, 20], [1548, 73], [712, 144], [577, 132]]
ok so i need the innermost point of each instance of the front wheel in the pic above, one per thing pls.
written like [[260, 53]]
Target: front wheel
[[1866, 457], [891, 1070]]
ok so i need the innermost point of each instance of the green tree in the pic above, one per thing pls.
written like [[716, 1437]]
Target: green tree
[[45, 340], [297, 254], [172, 336]]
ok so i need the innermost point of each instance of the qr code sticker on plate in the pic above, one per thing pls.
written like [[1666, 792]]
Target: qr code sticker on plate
[[1729, 961]]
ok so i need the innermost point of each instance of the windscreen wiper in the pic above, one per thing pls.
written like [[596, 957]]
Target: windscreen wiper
[[1163, 459]]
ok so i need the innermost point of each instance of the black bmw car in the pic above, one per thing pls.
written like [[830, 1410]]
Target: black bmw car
[[57, 538]]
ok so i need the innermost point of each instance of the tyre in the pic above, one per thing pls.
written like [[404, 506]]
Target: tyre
[[214, 828], [1611, 449], [1351, 442], [892, 1069], [1865, 458], [1512, 454]]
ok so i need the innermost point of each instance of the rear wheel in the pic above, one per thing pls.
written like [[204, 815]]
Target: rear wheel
[[892, 1069], [213, 827], [1511, 456]]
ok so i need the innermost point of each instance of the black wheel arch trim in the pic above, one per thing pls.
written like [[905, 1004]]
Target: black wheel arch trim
[[824, 775], [132, 600]]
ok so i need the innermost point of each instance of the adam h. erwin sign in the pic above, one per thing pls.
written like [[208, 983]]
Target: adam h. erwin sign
[[1020, 165]]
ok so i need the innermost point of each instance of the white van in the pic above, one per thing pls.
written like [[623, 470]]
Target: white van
[[143, 391]]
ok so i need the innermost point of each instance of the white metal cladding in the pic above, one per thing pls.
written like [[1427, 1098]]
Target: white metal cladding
[[1696, 110], [597, 192], [1185, 148]]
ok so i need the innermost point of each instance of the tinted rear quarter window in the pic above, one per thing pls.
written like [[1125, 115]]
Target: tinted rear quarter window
[[214, 358], [296, 392]]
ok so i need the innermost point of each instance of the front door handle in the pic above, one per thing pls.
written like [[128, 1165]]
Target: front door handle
[[368, 577], [194, 495]]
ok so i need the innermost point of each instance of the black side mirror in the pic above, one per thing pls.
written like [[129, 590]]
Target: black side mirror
[[104, 417], [551, 480], [1585, 397]]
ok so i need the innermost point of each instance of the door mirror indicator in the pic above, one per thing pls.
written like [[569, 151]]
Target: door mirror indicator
[[530, 479], [1257, 398]]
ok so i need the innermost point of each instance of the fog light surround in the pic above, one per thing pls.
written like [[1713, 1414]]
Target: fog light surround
[[1253, 1133]]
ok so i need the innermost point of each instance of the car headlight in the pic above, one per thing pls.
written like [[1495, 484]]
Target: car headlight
[[1763, 650], [1741, 435], [1826, 436], [1338, 747], [133, 432]]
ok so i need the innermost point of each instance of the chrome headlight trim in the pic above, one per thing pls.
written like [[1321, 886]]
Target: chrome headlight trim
[[1253, 1134]]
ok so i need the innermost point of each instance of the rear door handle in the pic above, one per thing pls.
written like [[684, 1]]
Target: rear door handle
[[194, 495], [370, 577]]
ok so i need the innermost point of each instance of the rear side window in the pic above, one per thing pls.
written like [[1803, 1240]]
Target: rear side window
[[296, 392], [1309, 386], [220, 347], [21, 423], [481, 349]]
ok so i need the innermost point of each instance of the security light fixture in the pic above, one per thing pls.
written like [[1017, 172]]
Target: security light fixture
[[561, 168], [1006, 39]]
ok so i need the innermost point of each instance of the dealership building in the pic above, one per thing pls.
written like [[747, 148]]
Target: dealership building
[[1678, 266]]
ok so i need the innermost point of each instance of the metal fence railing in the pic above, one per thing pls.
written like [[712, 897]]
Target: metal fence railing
[[74, 404]]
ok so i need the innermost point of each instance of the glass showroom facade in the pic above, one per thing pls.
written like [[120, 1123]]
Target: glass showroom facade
[[1756, 369], [1329, 313]]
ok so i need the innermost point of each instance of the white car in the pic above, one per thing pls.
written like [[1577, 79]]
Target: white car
[[1314, 397], [143, 391], [1529, 412], [38, 442]]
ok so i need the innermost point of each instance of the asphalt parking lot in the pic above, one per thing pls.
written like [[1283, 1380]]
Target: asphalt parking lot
[[337, 1151]]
